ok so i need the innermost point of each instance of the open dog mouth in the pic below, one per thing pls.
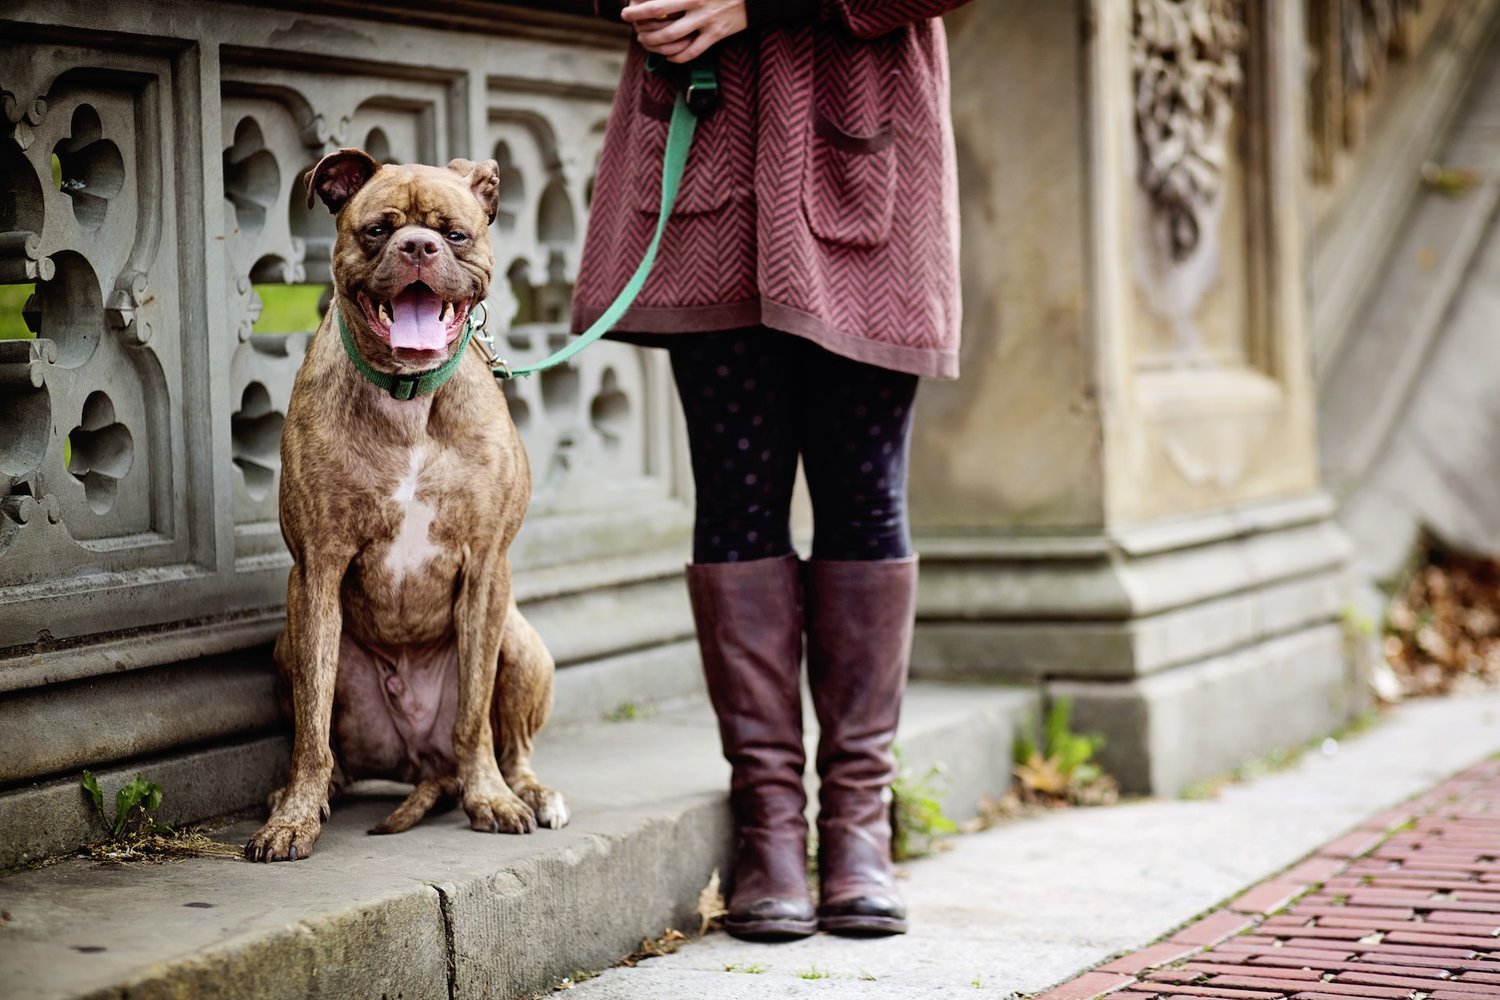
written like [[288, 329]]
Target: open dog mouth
[[416, 319]]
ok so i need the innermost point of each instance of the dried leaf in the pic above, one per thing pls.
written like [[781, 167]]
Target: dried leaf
[[1043, 775], [1444, 631], [664, 945], [710, 905]]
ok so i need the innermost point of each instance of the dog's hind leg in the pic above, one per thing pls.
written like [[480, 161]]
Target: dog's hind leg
[[422, 800], [523, 700]]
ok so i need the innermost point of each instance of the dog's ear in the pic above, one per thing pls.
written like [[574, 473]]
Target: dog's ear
[[339, 176], [484, 181]]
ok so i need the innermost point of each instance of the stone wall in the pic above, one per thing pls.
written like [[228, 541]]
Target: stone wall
[[1171, 209], [142, 570]]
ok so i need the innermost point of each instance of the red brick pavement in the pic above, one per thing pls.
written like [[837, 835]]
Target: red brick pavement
[[1407, 907]]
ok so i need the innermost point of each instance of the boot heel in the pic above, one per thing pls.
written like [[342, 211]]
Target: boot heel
[[854, 925], [771, 929]]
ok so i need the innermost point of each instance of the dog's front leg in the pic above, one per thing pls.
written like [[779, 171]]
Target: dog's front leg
[[483, 599], [314, 622]]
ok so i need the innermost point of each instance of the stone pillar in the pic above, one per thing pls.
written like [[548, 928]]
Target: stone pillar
[[1119, 499]]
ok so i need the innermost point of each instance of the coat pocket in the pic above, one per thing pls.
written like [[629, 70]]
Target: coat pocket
[[849, 185], [705, 187]]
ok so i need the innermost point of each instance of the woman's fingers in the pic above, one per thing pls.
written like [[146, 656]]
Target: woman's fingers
[[651, 10], [668, 38], [682, 30], [652, 34], [699, 44], [671, 49]]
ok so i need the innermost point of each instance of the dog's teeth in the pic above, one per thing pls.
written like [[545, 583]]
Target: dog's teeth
[[447, 312], [385, 314]]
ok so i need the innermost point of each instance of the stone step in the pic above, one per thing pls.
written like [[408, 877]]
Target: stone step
[[441, 911], [208, 730]]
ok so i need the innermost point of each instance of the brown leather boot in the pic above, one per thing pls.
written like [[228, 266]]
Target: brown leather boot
[[859, 626], [749, 619]]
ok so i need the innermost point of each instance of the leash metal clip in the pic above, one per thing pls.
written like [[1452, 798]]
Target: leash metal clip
[[698, 80], [703, 91], [498, 365]]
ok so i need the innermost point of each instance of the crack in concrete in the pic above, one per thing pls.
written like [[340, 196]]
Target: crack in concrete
[[450, 952]]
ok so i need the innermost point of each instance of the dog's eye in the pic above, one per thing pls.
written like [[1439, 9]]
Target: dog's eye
[[378, 230], [458, 236]]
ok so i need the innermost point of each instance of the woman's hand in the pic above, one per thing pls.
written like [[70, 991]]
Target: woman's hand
[[682, 30]]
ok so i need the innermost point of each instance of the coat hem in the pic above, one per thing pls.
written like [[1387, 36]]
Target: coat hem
[[650, 326]]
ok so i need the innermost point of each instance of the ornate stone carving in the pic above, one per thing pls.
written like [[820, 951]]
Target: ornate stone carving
[[144, 407], [1186, 58], [1373, 32], [90, 468], [1352, 44]]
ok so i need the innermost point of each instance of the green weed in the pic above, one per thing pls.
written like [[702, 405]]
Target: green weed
[[135, 806], [1356, 623], [627, 711], [135, 835], [918, 822], [1062, 769]]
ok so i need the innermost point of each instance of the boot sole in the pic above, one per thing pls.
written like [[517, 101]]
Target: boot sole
[[863, 926], [770, 930]]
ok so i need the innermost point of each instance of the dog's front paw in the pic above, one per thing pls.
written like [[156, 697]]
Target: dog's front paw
[[553, 811], [501, 812], [549, 805], [284, 838]]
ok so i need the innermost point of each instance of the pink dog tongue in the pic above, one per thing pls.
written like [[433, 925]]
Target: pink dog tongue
[[415, 321]]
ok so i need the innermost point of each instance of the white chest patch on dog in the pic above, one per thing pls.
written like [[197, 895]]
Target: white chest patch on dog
[[412, 547]]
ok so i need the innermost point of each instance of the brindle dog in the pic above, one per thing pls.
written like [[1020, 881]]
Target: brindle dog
[[404, 655]]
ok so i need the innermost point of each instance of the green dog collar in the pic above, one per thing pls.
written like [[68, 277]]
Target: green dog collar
[[404, 387]]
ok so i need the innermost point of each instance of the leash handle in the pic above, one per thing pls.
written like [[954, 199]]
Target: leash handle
[[703, 90]]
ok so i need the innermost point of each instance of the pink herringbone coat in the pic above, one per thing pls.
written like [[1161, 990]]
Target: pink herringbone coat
[[821, 199]]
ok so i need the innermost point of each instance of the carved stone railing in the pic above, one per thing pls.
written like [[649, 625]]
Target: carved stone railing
[[1354, 46], [1405, 186], [150, 189], [1384, 78]]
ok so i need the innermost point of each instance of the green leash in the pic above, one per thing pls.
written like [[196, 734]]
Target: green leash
[[698, 98]]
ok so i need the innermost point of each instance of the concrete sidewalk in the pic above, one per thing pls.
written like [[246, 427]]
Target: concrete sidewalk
[[1024, 907], [442, 912]]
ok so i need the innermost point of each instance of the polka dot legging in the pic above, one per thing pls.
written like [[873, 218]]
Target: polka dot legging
[[756, 400]]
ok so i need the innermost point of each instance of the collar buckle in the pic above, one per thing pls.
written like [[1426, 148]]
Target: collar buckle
[[404, 387]]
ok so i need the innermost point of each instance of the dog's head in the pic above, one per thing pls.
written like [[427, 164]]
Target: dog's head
[[413, 254]]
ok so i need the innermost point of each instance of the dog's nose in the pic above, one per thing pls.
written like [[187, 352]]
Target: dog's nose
[[418, 247]]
